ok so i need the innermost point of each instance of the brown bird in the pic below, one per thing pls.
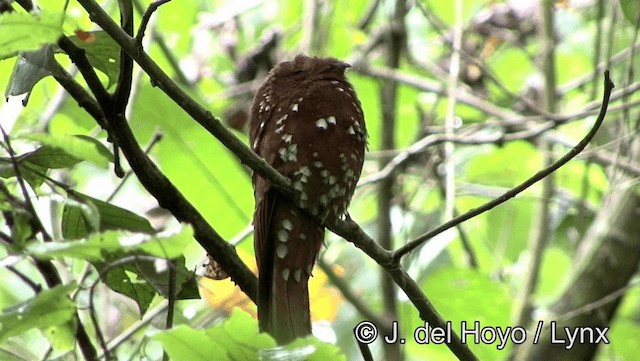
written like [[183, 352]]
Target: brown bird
[[307, 122]]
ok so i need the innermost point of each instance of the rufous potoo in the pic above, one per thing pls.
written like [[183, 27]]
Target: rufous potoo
[[307, 122]]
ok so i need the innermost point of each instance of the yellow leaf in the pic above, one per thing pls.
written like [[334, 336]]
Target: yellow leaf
[[225, 294], [325, 300]]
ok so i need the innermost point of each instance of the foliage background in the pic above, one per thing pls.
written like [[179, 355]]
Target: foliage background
[[205, 47]]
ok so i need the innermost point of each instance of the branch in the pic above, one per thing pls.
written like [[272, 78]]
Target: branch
[[182, 99], [165, 192], [167, 195], [608, 87]]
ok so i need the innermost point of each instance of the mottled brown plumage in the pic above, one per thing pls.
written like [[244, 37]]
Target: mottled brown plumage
[[306, 121]]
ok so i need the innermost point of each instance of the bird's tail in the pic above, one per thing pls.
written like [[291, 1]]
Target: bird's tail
[[287, 245]]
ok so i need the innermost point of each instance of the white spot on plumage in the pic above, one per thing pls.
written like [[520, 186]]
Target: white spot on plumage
[[349, 174], [331, 120], [297, 274], [294, 107], [281, 120], [281, 250], [318, 164], [305, 171], [351, 130], [321, 123], [287, 138], [302, 236], [290, 153], [283, 235], [285, 274], [309, 269], [286, 224], [340, 89]]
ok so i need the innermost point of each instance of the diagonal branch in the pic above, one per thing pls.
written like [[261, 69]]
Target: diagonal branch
[[145, 169], [167, 195]]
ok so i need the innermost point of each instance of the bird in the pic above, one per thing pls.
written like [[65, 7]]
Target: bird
[[307, 122]]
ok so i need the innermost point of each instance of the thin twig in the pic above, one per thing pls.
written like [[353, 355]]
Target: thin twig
[[608, 87], [156, 138], [46, 268], [145, 19]]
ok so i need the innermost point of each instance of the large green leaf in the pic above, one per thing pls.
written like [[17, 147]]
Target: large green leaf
[[30, 172], [29, 69], [51, 157], [631, 9], [51, 307], [141, 279], [235, 339], [79, 146], [101, 50], [90, 214], [124, 280], [96, 246], [21, 31], [468, 295]]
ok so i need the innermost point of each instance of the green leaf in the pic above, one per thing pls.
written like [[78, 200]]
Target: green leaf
[[80, 219], [51, 157], [630, 9], [320, 350], [49, 308], [477, 298], [29, 69], [97, 245], [235, 339], [189, 290], [78, 146], [185, 343], [124, 280], [101, 50], [22, 31], [141, 279], [29, 172], [62, 337]]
